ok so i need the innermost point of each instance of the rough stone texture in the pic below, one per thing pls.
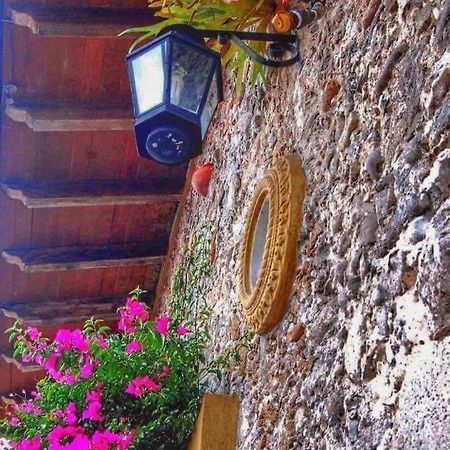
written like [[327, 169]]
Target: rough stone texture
[[362, 357]]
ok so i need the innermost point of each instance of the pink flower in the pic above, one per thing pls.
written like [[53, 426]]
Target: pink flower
[[92, 412], [42, 345], [33, 333], [150, 384], [50, 363], [94, 396], [141, 385], [27, 357], [104, 440], [126, 440], [133, 311], [68, 379], [79, 342], [14, 421], [182, 331], [67, 340], [137, 309], [70, 414], [94, 406], [162, 325], [165, 371], [63, 339], [87, 369], [29, 444], [68, 438], [134, 389], [29, 407], [101, 342], [133, 346], [126, 323]]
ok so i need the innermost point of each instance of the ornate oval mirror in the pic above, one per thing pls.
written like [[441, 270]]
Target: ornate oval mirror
[[269, 249]]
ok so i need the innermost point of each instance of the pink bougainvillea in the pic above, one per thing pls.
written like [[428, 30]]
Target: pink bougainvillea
[[106, 439], [182, 331], [87, 369], [162, 325], [34, 443], [94, 406], [142, 385], [105, 389], [133, 346], [133, 312], [68, 438]]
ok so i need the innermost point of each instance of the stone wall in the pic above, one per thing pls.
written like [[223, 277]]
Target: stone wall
[[362, 357]]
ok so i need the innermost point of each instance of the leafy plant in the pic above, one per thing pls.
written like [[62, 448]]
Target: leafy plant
[[138, 388], [226, 15]]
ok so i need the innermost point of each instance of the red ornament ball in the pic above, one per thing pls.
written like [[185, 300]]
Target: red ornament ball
[[201, 178]]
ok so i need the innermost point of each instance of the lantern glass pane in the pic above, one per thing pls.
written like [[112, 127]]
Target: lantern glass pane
[[210, 105], [148, 74], [190, 70]]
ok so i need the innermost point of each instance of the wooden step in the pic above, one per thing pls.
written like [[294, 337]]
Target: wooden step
[[58, 312], [79, 21], [94, 192], [43, 118], [22, 366], [76, 258]]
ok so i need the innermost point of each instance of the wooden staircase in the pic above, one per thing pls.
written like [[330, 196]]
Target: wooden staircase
[[83, 220]]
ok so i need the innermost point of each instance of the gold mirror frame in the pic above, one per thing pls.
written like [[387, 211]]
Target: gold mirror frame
[[265, 302]]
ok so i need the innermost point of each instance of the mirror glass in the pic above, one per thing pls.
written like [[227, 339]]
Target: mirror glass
[[259, 242]]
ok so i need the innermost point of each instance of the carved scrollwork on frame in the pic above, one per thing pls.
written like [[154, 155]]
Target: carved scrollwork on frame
[[269, 250]]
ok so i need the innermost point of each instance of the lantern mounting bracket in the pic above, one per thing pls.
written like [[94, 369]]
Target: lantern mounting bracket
[[279, 45]]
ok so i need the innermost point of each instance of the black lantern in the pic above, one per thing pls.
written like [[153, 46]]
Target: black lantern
[[176, 84]]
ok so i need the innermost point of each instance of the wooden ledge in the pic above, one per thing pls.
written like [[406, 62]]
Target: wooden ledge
[[23, 367], [58, 312], [79, 21], [76, 258], [42, 118], [94, 192], [217, 423]]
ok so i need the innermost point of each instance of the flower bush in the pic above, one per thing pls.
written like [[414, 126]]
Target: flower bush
[[137, 388]]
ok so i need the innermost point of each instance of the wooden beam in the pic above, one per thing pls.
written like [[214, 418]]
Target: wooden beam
[[77, 258], [79, 21], [22, 366], [42, 118], [95, 192], [58, 312]]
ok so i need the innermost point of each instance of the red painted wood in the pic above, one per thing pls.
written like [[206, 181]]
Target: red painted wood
[[17, 151], [57, 148]]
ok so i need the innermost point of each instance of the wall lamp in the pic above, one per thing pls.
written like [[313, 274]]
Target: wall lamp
[[176, 84]]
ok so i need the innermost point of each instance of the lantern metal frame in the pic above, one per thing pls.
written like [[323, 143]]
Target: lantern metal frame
[[155, 118], [154, 121]]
